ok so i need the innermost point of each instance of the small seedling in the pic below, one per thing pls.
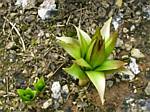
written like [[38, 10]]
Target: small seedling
[[40, 85], [91, 56], [27, 95]]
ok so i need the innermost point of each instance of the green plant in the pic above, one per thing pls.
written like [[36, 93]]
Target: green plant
[[39, 85], [91, 56], [27, 95]]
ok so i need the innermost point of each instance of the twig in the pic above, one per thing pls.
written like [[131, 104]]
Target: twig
[[4, 27], [15, 28]]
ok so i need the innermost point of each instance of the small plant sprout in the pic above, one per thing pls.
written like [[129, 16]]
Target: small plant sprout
[[91, 56], [27, 95], [39, 85]]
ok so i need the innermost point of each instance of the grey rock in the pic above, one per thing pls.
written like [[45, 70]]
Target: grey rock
[[46, 9], [26, 4], [109, 83]]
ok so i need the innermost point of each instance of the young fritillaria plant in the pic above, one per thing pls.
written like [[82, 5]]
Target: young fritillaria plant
[[27, 95], [91, 56]]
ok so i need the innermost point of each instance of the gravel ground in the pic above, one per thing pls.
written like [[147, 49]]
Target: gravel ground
[[28, 50]]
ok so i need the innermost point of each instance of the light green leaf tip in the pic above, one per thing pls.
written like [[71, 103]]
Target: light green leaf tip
[[105, 31], [98, 79], [84, 40], [40, 84]]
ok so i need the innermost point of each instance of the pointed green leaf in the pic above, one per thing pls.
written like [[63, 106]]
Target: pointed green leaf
[[84, 40], [76, 72], [71, 46], [81, 62], [96, 37], [97, 34], [110, 65], [98, 56], [98, 79], [105, 31], [68, 40], [110, 44], [40, 85], [26, 95], [89, 51]]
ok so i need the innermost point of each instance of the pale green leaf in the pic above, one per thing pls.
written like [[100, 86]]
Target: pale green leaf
[[97, 34], [81, 62], [76, 72], [68, 40], [110, 44], [98, 79], [89, 51], [84, 40], [105, 31], [98, 53], [71, 46], [110, 65]]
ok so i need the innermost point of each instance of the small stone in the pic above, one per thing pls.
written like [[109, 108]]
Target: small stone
[[125, 57], [10, 45], [1, 4], [47, 9], [137, 53], [47, 104], [134, 66], [2, 93], [127, 75], [125, 30], [119, 42], [132, 28], [109, 83], [147, 89], [82, 104], [128, 47], [47, 35], [65, 89], [56, 90], [41, 33], [26, 4]]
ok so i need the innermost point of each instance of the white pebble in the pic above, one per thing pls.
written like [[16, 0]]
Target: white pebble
[[134, 66], [56, 90], [45, 9]]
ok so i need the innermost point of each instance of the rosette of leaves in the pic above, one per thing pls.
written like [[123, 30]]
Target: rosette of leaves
[[27, 95], [91, 56]]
